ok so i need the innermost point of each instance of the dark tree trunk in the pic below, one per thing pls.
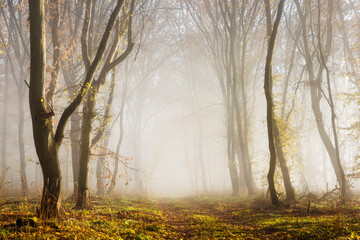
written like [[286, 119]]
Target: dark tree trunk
[[46, 147], [47, 142], [82, 200], [51, 194], [268, 95]]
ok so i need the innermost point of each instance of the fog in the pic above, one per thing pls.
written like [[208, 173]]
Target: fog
[[189, 120]]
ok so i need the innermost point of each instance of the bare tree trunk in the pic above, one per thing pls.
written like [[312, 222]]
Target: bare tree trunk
[[47, 142], [46, 147], [354, 67], [24, 189], [341, 174], [316, 96], [4, 125], [290, 193], [100, 167], [121, 122], [75, 125], [82, 200], [21, 93], [268, 95], [201, 160], [245, 117], [234, 177], [75, 150], [229, 16], [324, 171], [89, 106]]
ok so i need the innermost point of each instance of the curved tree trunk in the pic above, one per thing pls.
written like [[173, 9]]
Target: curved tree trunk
[[337, 160], [316, 97], [268, 94], [82, 200]]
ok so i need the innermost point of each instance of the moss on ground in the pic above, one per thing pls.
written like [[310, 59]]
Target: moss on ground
[[189, 218]]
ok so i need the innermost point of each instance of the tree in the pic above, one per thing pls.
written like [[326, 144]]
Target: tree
[[225, 28], [71, 69], [112, 61], [316, 92], [268, 94], [16, 39], [47, 141]]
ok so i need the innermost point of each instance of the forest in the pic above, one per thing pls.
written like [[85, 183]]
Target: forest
[[180, 119]]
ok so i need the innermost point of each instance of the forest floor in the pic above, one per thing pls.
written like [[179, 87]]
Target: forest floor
[[186, 218]]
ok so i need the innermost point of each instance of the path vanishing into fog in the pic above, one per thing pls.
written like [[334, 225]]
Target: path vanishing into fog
[[192, 218]]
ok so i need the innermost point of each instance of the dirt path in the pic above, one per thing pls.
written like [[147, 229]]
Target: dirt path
[[176, 219], [198, 220]]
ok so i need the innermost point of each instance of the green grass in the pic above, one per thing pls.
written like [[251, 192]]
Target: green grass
[[190, 218]]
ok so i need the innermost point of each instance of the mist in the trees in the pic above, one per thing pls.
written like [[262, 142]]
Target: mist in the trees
[[169, 98]]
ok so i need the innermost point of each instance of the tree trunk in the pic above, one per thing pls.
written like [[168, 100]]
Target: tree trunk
[[316, 97], [234, 177], [46, 147], [351, 59], [100, 167], [341, 174], [4, 127], [82, 200], [121, 123], [290, 193], [268, 95], [75, 150], [89, 106], [51, 194], [201, 160], [24, 189], [21, 93], [245, 116]]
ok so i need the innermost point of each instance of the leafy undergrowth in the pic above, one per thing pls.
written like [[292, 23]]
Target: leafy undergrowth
[[189, 218]]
